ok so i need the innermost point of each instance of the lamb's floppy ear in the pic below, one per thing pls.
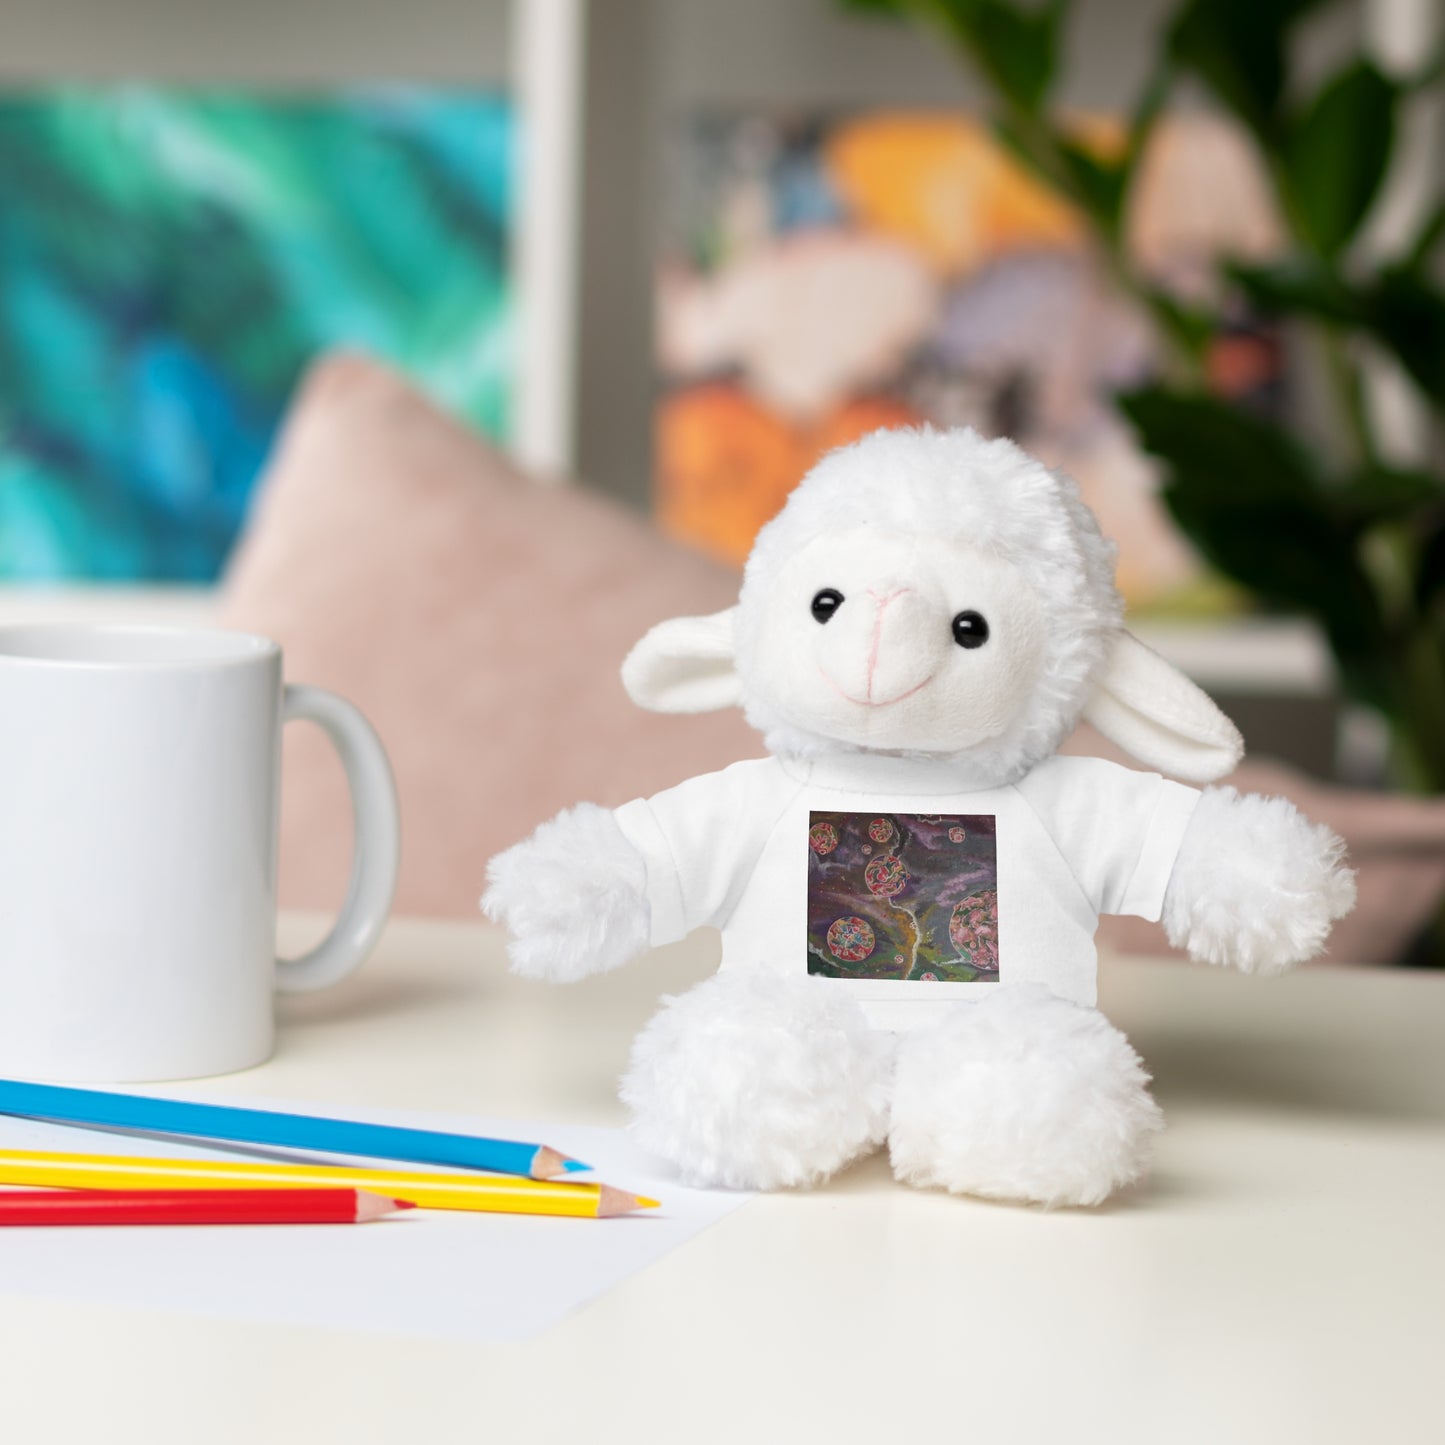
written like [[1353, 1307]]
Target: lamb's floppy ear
[[1157, 715], [685, 665]]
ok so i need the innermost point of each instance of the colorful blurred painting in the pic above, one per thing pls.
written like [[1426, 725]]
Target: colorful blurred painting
[[171, 260], [821, 277]]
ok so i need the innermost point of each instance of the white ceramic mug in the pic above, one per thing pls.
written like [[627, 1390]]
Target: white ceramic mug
[[139, 790]]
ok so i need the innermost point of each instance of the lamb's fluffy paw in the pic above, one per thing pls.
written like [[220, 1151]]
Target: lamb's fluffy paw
[[572, 896], [752, 1081], [1023, 1096], [1256, 884]]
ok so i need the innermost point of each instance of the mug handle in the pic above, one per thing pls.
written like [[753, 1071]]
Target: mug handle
[[377, 847]]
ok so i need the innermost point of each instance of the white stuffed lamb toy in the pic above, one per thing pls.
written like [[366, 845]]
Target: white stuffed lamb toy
[[908, 887]]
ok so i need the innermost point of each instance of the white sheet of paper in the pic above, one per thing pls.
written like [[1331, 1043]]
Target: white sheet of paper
[[422, 1273]]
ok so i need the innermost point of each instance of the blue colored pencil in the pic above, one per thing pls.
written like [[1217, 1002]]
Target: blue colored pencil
[[103, 1110]]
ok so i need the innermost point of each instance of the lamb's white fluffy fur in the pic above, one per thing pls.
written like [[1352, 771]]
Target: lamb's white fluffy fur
[[1023, 1096], [572, 896], [953, 484], [752, 1081], [1256, 884]]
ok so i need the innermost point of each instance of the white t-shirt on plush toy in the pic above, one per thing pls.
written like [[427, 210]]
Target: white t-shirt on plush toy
[[881, 873]]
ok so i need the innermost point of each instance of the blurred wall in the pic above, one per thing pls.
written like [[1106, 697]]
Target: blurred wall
[[256, 40]]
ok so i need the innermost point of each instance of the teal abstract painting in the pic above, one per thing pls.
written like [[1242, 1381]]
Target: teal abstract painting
[[171, 260]]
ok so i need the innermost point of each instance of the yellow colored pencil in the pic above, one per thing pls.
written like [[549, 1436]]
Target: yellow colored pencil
[[492, 1193]]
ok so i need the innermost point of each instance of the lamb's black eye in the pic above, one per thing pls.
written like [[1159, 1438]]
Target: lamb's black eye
[[826, 603], [969, 629]]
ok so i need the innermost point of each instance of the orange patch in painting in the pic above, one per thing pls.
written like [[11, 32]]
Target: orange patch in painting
[[942, 184], [726, 463], [856, 419]]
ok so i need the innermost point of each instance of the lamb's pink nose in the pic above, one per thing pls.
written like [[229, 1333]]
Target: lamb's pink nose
[[885, 648]]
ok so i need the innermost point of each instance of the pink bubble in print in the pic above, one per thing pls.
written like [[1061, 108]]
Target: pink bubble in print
[[880, 830], [897, 958], [885, 876], [851, 939], [957, 835], [931, 977], [973, 929], [822, 838]]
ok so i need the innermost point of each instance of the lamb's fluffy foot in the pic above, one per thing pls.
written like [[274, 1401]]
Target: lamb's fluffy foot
[[755, 1081], [1022, 1096]]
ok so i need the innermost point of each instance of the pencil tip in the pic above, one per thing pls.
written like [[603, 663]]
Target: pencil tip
[[612, 1201], [548, 1163], [377, 1206]]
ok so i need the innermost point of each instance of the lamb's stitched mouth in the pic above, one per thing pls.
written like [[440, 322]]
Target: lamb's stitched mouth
[[866, 702]]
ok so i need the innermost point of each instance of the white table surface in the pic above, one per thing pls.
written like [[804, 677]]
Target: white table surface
[[1281, 1279]]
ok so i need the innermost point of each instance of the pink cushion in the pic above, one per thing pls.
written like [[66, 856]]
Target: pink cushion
[[477, 618]]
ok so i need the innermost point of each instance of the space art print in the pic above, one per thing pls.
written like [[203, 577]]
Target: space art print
[[903, 896]]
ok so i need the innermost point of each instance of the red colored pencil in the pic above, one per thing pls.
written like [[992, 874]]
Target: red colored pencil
[[194, 1206]]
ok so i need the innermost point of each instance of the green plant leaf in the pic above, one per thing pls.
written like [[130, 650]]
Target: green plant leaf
[[1238, 48], [1380, 493], [1401, 308], [1016, 46], [1430, 572], [1253, 502], [1301, 286], [1335, 155], [1407, 312], [1288, 555], [1242, 458], [1097, 185]]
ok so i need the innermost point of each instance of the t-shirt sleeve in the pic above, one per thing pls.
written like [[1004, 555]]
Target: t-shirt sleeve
[[1118, 830], [700, 842]]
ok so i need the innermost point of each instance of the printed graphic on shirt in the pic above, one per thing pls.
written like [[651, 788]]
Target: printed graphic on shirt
[[903, 896]]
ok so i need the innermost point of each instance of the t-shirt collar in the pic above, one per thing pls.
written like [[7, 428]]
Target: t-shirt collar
[[888, 773]]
